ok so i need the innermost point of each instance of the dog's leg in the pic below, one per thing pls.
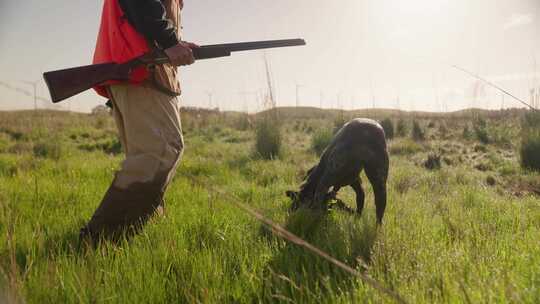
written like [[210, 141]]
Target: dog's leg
[[360, 195], [377, 177]]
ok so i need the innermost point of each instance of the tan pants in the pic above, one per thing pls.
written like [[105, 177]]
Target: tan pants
[[149, 128]]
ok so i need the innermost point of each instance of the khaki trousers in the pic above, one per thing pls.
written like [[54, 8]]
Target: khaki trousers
[[150, 132]]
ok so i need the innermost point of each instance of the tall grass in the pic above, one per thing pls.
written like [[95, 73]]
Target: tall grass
[[268, 143], [481, 130], [402, 128], [388, 127], [321, 139], [418, 132], [530, 141]]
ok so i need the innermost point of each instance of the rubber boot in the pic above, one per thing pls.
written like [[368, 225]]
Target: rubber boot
[[122, 212]]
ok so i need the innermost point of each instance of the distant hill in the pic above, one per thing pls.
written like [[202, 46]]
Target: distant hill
[[313, 112]]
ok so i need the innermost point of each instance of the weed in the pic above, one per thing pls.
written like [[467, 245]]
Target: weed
[[490, 181], [49, 149], [481, 130], [107, 145], [388, 127], [402, 128], [433, 162], [320, 140], [405, 147], [418, 133], [530, 151], [4, 143], [443, 130], [268, 138], [8, 166], [243, 123], [467, 134], [530, 141]]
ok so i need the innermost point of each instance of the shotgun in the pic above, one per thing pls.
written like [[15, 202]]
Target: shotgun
[[65, 83]]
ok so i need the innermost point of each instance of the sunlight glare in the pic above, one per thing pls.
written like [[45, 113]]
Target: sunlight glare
[[417, 7]]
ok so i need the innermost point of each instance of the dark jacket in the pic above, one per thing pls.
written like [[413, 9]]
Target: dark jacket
[[149, 18]]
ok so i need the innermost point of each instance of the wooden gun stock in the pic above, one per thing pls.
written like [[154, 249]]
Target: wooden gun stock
[[65, 83]]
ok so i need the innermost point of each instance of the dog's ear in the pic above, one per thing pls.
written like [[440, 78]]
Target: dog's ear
[[292, 194]]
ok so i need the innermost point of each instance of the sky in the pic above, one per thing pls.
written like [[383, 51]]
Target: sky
[[359, 53]]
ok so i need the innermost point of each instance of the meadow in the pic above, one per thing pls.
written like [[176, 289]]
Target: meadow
[[462, 223]]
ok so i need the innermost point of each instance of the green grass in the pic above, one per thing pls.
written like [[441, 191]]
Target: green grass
[[447, 237], [320, 140]]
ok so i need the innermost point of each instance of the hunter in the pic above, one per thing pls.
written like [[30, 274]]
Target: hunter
[[145, 109]]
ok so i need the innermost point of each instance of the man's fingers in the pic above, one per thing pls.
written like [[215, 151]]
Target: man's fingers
[[181, 54], [187, 59]]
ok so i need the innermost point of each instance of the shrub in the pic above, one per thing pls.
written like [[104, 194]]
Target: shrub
[[530, 141], [401, 128], [490, 180], [443, 130], [4, 143], [507, 168], [8, 166], [297, 126], [482, 135], [405, 147], [268, 138], [531, 121], [101, 122], [417, 132], [101, 110], [21, 147], [467, 133], [433, 162], [48, 149], [481, 131], [320, 140], [15, 135], [217, 130], [480, 148], [108, 145], [113, 147], [404, 182], [388, 127]]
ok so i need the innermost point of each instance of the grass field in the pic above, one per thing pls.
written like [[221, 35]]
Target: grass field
[[468, 232]]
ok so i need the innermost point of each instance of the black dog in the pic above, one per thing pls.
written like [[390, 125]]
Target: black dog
[[359, 144]]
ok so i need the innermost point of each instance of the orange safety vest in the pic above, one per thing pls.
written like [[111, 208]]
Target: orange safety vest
[[119, 42]]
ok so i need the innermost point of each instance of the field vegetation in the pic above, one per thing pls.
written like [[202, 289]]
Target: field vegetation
[[462, 223]]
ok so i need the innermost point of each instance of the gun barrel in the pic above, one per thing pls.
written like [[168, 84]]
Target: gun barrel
[[256, 45]]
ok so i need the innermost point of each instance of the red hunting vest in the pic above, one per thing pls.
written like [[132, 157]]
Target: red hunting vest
[[119, 42]]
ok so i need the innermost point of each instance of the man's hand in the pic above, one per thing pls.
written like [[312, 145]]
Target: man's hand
[[181, 53]]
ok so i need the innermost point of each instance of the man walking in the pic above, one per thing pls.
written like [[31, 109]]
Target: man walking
[[145, 109]]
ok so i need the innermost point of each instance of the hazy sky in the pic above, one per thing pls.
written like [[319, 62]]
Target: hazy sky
[[391, 53]]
